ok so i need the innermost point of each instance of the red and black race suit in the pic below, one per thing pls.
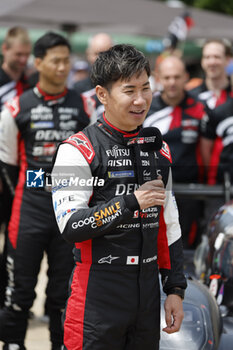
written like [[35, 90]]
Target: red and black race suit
[[32, 126], [180, 127], [114, 298], [210, 100], [8, 90], [219, 124]]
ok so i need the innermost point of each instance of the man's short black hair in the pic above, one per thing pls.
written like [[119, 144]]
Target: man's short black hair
[[119, 62], [48, 41]]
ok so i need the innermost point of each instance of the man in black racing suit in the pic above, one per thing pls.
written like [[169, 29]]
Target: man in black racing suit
[[16, 49], [178, 116], [122, 232], [213, 92], [219, 124], [97, 43], [32, 126]]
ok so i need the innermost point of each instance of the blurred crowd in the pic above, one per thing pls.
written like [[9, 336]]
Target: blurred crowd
[[194, 117]]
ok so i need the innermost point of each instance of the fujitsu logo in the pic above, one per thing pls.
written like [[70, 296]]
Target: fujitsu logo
[[117, 152]]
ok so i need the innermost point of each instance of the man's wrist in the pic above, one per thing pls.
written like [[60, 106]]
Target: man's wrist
[[177, 291]]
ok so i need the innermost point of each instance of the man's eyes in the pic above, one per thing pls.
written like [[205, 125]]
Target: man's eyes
[[132, 91]]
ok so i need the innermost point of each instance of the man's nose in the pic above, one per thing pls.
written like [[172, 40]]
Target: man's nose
[[139, 99]]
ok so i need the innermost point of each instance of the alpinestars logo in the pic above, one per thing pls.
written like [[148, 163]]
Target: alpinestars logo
[[83, 144], [35, 178], [107, 259]]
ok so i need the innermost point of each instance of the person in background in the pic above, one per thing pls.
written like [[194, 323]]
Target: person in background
[[218, 123], [122, 234], [178, 116], [32, 126], [97, 43], [214, 90], [16, 49], [154, 78], [79, 71]]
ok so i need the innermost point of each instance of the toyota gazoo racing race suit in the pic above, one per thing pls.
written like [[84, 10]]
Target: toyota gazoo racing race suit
[[114, 300], [93, 106], [180, 127], [8, 89], [31, 128], [211, 100], [219, 124]]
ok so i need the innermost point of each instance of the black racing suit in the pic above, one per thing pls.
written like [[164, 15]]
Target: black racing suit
[[83, 85], [210, 100], [92, 104], [219, 124], [31, 128], [114, 299], [8, 89], [180, 126]]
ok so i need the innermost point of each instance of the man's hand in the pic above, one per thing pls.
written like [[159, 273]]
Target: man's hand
[[151, 193], [173, 313]]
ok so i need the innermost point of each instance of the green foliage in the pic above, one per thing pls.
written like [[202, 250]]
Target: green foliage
[[225, 6]]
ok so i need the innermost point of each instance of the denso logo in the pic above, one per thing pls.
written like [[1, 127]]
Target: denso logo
[[51, 135], [122, 189], [117, 152]]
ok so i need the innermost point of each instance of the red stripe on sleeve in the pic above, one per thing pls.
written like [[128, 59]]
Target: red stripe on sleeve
[[162, 242]]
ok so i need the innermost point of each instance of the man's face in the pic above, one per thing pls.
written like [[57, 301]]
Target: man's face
[[128, 101], [173, 78], [214, 60], [55, 66], [16, 55]]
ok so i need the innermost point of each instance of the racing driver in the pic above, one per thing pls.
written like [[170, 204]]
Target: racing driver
[[125, 225], [31, 127]]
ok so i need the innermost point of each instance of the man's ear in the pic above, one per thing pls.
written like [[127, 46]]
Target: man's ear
[[102, 94], [37, 63], [4, 48]]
